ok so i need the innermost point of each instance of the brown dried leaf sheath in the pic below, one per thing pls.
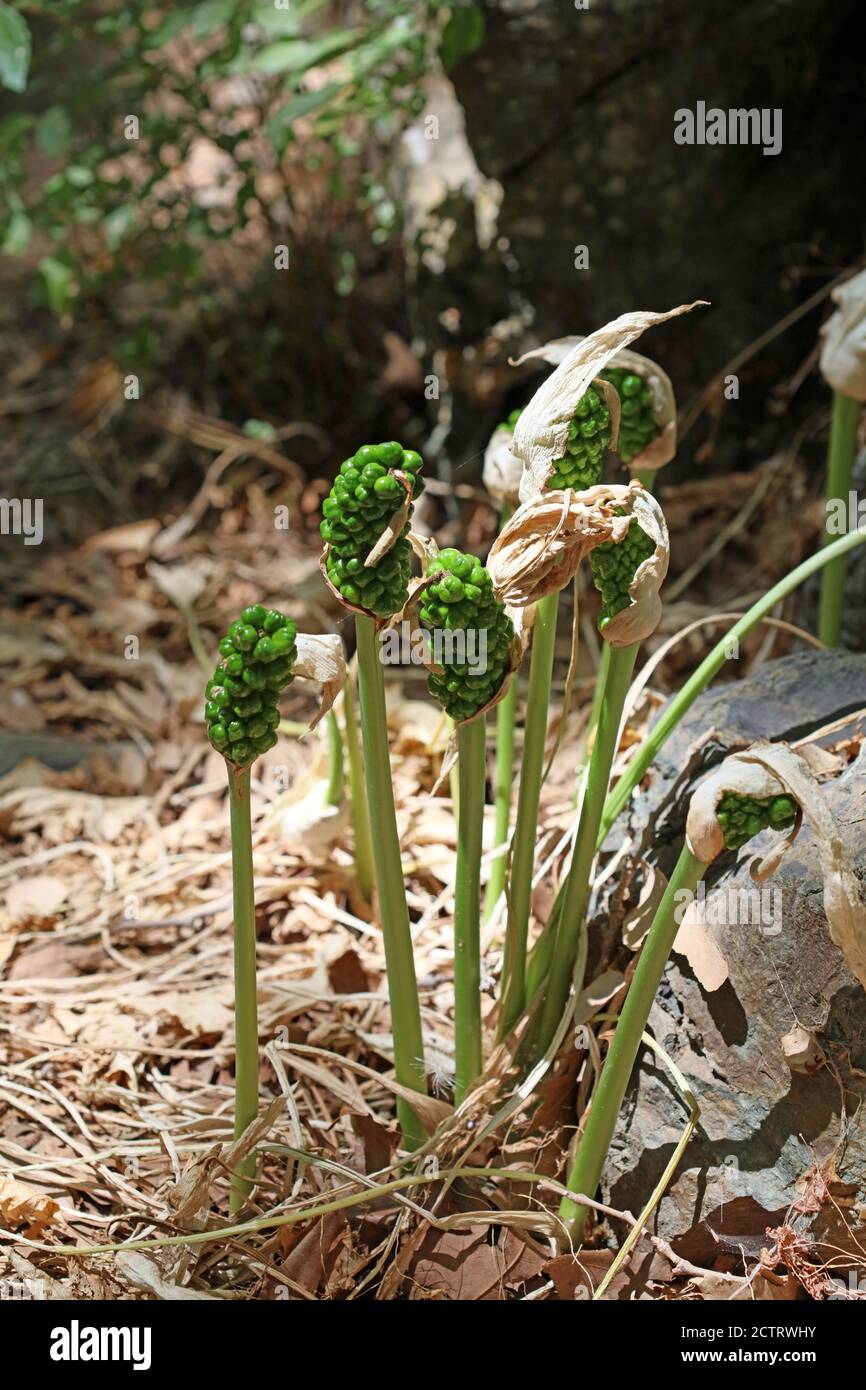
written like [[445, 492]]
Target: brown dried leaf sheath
[[660, 450], [321, 658], [539, 550], [502, 469], [541, 433], [774, 769]]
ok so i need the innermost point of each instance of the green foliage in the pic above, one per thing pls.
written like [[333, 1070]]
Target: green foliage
[[462, 34], [638, 424], [613, 567], [261, 87], [365, 496], [258, 653], [589, 435], [461, 599], [743, 817], [14, 49]]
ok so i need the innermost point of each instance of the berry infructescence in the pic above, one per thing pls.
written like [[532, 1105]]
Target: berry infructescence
[[742, 817], [459, 602], [364, 497], [638, 424], [589, 434], [614, 565], [258, 653]]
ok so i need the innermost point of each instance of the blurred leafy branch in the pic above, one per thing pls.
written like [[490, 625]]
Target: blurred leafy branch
[[111, 109]]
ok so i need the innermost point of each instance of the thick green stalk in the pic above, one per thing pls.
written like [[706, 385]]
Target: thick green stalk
[[724, 650], [506, 715], [394, 913], [454, 774], [468, 1056], [358, 795], [840, 469], [502, 784], [513, 985], [588, 1162], [246, 1016], [594, 711], [334, 794], [570, 927]]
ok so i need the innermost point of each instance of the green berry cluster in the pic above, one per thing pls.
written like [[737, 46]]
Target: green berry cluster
[[588, 436], [614, 565], [742, 817], [356, 511], [463, 598], [638, 424], [258, 653]]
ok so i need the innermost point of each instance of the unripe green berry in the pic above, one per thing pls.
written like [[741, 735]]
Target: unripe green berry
[[241, 697], [362, 501], [614, 565], [743, 817], [638, 424]]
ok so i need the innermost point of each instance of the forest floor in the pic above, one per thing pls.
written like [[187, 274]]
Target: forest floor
[[116, 1023]]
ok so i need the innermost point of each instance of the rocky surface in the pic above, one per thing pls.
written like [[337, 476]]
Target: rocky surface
[[762, 1127], [569, 116]]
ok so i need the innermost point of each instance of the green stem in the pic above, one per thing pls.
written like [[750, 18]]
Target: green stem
[[513, 984], [506, 712], [589, 1159], [506, 715], [454, 774], [246, 1017], [393, 911], [725, 649], [334, 794], [570, 941], [467, 907], [594, 712], [840, 468], [358, 795]]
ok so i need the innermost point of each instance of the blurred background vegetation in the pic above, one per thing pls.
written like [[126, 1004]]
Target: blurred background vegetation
[[322, 221], [157, 164]]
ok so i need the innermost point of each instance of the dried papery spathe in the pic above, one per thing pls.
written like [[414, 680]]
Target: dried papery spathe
[[541, 433], [843, 350], [502, 469], [770, 770], [320, 657], [663, 447], [539, 550]]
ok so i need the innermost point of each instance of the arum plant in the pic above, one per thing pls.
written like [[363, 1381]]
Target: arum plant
[[646, 435], [589, 434], [561, 437], [843, 364], [768, 786], [473, 649], [367, 563], [629, 574], [260, 655]]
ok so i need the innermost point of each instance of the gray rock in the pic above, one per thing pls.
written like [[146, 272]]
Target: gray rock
[[572, 112], [761, 1126]]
